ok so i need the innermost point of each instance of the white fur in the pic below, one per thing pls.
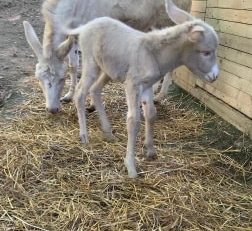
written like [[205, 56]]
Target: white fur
[[139, 60], [141, 14]]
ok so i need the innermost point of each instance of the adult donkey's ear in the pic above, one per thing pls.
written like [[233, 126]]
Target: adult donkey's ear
[[177, 15], [33, 40]]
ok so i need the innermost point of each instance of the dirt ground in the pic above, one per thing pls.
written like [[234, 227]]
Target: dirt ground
[[16, 59], [19, 87]]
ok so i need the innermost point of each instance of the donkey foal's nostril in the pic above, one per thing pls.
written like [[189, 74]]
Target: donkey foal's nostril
[[214, 78]]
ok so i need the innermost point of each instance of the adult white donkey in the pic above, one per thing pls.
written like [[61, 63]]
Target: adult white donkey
[[50, 69], [139, 59]]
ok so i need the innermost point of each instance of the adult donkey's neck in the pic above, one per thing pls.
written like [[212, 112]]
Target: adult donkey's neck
[[57, 13]]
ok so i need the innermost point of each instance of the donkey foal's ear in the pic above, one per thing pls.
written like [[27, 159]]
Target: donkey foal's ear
[[196, 33], [64, 48]]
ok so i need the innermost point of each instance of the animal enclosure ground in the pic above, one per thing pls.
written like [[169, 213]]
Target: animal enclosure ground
[[201, 179]]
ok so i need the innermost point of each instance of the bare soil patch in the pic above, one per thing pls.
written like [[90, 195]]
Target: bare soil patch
[[16, 59]]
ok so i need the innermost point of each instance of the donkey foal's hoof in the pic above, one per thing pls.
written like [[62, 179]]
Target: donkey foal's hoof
[[151, 154], [90, 109], [109, 136], [83, 139], [132, 173]]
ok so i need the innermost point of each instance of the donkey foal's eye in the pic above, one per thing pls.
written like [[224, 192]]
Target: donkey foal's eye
[[206, 53]]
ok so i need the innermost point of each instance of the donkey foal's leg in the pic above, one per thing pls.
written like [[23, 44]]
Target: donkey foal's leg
[[88, 78], [149, 112], [95, 93], [133, 120], [79, 101]]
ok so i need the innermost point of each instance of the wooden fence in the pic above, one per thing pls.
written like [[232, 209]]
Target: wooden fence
[[230, 95]]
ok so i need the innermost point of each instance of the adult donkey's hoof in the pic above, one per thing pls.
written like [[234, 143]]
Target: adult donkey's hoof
[[66, 99], [159, 98]]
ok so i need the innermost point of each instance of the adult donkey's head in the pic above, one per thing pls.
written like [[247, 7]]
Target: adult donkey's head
[[50, 69]]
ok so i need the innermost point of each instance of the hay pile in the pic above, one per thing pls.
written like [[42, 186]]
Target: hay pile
[[48, 181]]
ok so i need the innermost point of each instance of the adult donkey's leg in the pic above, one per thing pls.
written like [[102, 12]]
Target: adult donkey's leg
[[165, 87], [73, 67]]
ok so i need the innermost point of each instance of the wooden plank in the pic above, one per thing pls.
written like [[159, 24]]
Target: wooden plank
[[234, 85], [226, 78], [234, 28], [236, 42], [183, 74], [236, 69], [235, 56], [233, 4], [198, 15], [224, 91], [229, 95], [242, 16], [222, 109], [199, 6]]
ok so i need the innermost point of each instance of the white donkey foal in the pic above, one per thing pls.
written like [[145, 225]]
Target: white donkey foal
[[139, 60]]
